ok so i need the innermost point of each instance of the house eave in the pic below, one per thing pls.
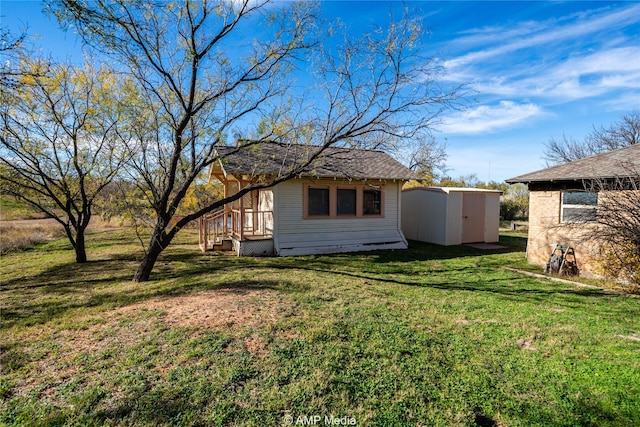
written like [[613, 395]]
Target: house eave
[[568, 184]]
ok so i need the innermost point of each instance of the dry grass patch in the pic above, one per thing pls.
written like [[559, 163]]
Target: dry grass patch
[[24, 234], [632, 337], [238, 312], [21, 234], [217, 308]]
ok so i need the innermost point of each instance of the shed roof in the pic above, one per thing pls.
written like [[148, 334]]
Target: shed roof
[[333, 162], [611, 164], [449, 190]]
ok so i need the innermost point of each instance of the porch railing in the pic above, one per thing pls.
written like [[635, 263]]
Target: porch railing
[[212, 229], [241, 224], [251, 223]]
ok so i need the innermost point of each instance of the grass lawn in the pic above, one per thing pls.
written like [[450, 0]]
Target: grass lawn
[[11, 209], [429, 336]]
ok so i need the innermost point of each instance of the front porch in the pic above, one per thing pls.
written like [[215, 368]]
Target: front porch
[[246, 225], [245, 231]]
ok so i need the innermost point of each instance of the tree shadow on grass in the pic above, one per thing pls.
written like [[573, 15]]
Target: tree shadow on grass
[[69, 286], [184, 270], [485, 277], [423, 251], [159, 406], [466, 279], [402, 261]]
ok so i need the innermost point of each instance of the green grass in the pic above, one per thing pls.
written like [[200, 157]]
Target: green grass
[[429, 336], [10, 209]]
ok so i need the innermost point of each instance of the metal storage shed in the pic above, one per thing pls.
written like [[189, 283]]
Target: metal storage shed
[[451, 215]]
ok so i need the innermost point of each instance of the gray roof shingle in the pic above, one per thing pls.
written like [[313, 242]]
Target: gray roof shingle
[[612, 164], [333, 162]]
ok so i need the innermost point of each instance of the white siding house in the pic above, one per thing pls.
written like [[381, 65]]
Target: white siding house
[[451, 216], [298, 234], [346, 200]]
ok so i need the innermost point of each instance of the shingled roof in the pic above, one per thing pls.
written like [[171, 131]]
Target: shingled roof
[[611, 164], [333, 162]]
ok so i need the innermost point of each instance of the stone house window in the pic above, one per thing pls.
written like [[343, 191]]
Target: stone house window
[[579, 207]]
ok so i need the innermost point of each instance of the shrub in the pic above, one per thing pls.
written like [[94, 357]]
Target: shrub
[[621, 261], [510, 209]]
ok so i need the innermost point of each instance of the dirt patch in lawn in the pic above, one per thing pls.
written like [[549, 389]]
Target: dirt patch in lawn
[[632, 337], [525, 345], [243, 311], [220, 308]]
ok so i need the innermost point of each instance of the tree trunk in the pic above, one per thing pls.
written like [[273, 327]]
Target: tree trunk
[[81, 252], [146, 266], [76, 238]]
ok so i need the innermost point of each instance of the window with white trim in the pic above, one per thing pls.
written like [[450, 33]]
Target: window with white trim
[[579, 206]]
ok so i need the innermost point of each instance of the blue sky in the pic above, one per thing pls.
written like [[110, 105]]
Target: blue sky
[[539, 69]]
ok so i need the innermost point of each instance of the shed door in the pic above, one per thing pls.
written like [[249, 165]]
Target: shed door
[[473, 212]]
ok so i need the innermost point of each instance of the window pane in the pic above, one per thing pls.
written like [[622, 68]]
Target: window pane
[[319, 201], [346, 202], [579, 215], [371, 202], [580, 198]]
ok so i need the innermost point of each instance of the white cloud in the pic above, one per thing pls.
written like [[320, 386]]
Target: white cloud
[[576, 78], [542, 60], [489, 118], [622, 59], [531, 34], [625, 102], [526, 75]]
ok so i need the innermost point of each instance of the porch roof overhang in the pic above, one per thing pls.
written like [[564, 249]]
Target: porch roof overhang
[[219, 172]]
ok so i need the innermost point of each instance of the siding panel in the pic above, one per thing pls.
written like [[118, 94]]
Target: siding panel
[[297, 235]]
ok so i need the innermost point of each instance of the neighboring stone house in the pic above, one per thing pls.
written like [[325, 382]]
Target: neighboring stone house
[[564, 200]]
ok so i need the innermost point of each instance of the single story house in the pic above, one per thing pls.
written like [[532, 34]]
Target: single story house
[[451, 215], [564, 203], [345, 200]]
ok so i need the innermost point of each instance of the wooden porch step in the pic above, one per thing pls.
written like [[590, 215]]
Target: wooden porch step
[[225, 245]]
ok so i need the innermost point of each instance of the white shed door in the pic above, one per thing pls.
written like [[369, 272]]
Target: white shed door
[[473, 217]]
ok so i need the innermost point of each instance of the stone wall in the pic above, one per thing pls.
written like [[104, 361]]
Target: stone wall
[[545, 230]]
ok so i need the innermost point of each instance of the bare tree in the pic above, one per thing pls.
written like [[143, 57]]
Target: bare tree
[[57, 143], [618, 217], [11, 47], [620, 134], [428, 159], [242, 73], [607, 222]]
